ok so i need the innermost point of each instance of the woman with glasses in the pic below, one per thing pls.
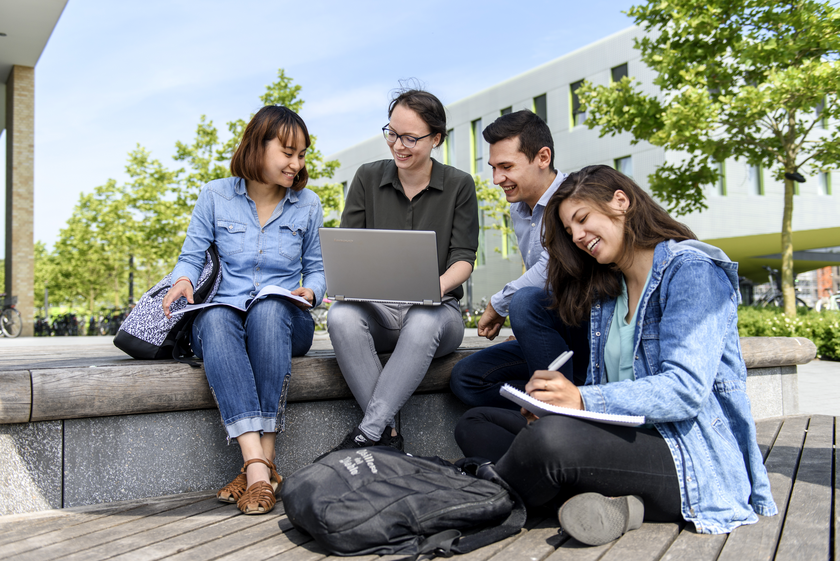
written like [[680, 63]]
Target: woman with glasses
[[412, 191]]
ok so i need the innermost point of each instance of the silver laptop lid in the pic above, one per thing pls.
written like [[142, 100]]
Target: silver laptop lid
[[370, 265]]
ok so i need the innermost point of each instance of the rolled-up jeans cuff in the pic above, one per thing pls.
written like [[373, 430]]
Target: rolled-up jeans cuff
[[251, 424]]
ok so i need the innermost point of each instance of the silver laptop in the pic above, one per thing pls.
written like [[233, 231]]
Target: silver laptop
[[395, 266]]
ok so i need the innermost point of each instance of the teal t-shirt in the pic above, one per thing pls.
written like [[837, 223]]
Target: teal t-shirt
[[618, 354]]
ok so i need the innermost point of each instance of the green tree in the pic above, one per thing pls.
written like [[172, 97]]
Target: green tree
[[146, 218], [753, 80], [492, 201]]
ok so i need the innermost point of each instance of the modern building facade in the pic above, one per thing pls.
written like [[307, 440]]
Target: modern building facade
[[744, 214], [25, 28]]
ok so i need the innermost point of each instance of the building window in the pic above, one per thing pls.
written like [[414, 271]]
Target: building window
[[625, 165], [480, 258], [344, 188], [540, 107], [578, 114], [618, 73], [824, 183], [477, 147], [720, 186], [507, 110], [755, 180], [449, 148], [821, 120]]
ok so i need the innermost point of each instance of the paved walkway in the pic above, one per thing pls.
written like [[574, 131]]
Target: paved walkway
[[819, 380]]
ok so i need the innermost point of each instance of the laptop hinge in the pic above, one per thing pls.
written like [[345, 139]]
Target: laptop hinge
[[339, 297], [427, 302]]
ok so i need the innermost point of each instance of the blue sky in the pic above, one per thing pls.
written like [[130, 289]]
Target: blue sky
[[115, 74]]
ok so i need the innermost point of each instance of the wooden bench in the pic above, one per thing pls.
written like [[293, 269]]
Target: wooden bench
[[90, 425], [799, 456]]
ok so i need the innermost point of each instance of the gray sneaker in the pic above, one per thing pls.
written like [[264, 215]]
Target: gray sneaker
[[594, 519]]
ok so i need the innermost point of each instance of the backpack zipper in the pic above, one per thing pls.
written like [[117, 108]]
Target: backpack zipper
[[492, 500]]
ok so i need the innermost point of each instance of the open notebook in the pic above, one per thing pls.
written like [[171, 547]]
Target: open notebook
[[541, 409]]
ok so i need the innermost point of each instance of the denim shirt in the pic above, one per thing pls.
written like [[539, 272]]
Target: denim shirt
[[282, 251], [690, 382]]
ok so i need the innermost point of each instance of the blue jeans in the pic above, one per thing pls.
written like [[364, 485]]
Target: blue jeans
[[248, 360], [359, 331], [540, 338]]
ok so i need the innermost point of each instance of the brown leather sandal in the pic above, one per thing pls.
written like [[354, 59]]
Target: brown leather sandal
[[233, 491], [258, 499]]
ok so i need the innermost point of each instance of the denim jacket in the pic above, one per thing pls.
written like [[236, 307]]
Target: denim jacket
[[690, 382], [282, 251]]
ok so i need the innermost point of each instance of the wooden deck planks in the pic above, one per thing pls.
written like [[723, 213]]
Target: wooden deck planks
[[218, 524], [799, 455], [694, 546], [807, 528], [19, 548], [272, 546], [141, 533], [758, 541]]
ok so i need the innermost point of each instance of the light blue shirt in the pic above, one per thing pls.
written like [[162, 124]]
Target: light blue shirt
[[282, 252], [618, 353], [527, 226]]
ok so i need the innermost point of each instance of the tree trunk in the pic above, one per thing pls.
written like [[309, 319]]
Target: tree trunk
[[787, 252]]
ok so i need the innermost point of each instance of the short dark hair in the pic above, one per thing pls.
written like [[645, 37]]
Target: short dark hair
[[575, 278], [426, 105], [532, 131], [270, 122]]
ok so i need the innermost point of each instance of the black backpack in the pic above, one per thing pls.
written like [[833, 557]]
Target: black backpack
[[148, 334], [382, 501]]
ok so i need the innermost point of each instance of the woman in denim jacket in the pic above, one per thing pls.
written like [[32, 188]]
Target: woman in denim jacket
[[265, 226], [664, 345]]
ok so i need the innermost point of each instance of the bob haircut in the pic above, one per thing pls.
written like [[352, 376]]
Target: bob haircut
[[270, 122], [427, 106], [575, 278], [532, 131]]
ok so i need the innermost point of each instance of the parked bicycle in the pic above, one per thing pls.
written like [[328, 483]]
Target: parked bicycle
[[471, 316], [830, 302], [11, 324], [319, 314], [65, 325], [42, 327], [774, 296]]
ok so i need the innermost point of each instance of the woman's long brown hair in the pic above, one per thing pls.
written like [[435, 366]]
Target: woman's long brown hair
[[575, 278]]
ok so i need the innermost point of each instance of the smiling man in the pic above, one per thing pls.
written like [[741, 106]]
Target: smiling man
[[522, 158]]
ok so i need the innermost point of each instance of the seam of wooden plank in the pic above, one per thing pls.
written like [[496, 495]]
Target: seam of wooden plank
[[15, 397]]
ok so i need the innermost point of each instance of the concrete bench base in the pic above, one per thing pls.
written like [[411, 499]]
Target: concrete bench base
[[54, 464]]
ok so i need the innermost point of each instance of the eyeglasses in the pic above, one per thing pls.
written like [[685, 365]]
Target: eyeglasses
[[407, 141]]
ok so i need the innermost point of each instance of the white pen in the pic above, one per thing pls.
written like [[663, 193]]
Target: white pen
[[560, 360]]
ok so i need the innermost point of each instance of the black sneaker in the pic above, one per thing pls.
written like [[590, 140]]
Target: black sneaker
[[354, 439], [392, 441]]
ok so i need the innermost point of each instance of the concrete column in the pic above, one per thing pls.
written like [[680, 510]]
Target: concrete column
[[20, 191]]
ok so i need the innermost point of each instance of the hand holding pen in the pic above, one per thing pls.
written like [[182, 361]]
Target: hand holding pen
[[551, 386]]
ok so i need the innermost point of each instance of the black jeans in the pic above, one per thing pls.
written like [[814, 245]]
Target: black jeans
[[557, 457]]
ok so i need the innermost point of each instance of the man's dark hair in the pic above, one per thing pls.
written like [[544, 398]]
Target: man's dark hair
[[532, 131]]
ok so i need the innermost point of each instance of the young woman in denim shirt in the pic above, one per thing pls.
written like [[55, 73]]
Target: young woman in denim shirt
[[664, 344], [265, 226]]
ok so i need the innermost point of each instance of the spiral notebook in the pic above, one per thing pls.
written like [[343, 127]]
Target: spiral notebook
[[541, 408]]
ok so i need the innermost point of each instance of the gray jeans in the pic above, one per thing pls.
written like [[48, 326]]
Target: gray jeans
[[413, 334]]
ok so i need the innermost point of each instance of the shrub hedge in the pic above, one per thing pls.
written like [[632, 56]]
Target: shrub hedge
[[823, 328]]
